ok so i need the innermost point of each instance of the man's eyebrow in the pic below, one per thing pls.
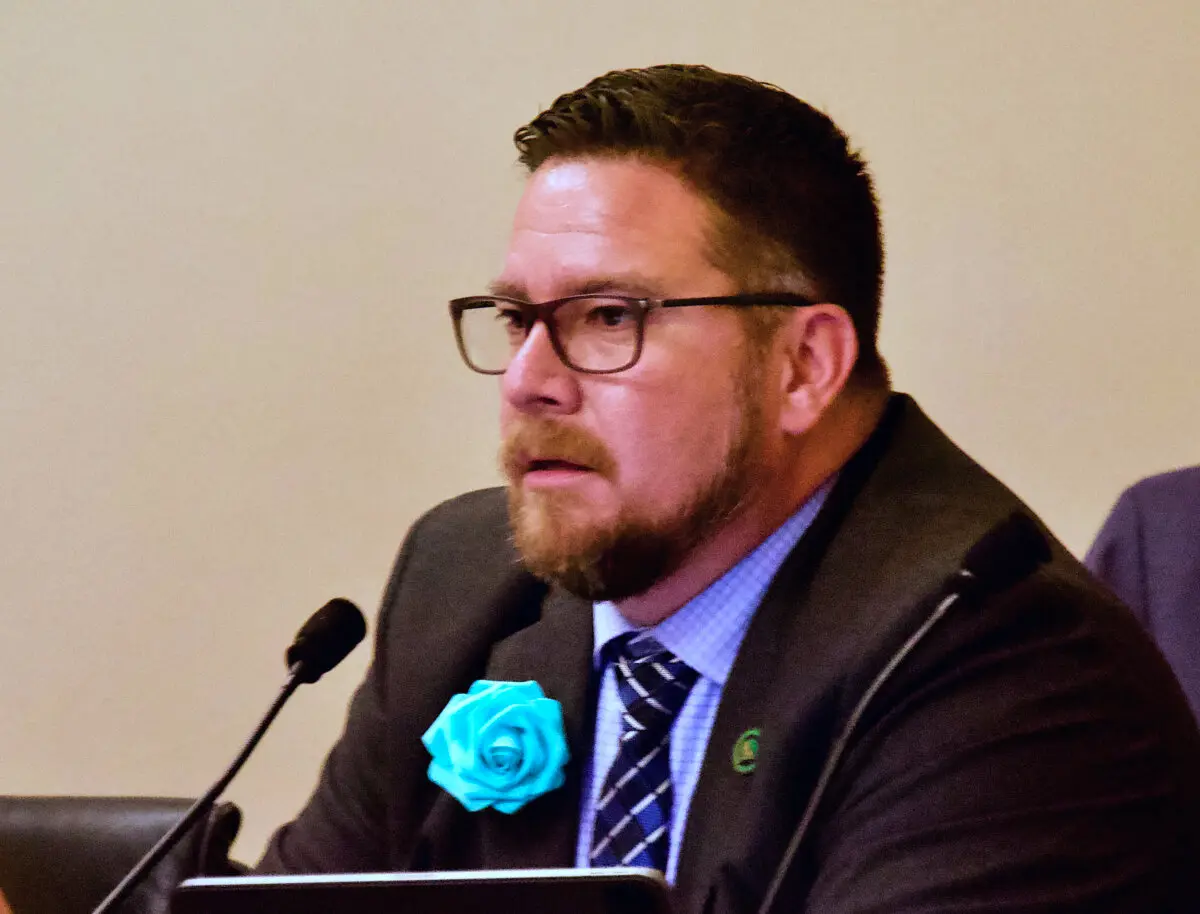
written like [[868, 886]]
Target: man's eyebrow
[[502, 289], [617, 284], [627, 284]]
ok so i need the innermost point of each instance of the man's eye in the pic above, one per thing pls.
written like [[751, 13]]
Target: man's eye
[[614, 316], [512, 319]]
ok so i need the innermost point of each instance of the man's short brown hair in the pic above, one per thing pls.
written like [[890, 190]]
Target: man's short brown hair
[[794, 205]]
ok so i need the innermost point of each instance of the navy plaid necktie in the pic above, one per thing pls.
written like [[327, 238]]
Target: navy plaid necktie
[[633, 813]]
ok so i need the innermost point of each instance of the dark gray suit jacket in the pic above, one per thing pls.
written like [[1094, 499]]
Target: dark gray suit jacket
[[1033, 753], [1148, 552]]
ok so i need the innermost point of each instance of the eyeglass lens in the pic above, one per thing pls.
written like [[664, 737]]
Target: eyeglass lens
[[596, 333]]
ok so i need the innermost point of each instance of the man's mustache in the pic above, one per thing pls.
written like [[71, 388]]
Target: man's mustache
[[542, 440]]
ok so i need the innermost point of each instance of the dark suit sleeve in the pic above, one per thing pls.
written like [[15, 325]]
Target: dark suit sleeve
[[1031, 757], [1117, 557], [343, 827]]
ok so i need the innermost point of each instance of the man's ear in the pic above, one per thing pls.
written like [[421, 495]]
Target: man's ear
[[821, 350]]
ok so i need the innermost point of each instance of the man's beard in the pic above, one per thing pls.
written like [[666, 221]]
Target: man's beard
[[624, 557]]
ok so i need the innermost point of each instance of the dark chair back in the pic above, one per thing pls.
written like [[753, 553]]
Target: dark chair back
[[63, 855]]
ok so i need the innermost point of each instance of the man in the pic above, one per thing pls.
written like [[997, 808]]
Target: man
[[1148, 552], [710, 484]]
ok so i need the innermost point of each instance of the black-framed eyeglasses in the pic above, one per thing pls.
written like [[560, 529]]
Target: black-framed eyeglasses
[[593, 334]]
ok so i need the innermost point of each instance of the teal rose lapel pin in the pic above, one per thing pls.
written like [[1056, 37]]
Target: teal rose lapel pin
[[501, 744]]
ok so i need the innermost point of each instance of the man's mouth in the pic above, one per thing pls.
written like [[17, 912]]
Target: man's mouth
[[552, 472], [539, 464], [544, 454]]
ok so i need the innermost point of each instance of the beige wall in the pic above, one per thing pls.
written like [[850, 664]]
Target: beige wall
[[227, 380]]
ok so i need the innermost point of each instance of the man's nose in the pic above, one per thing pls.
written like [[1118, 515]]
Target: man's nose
[[537, 380]]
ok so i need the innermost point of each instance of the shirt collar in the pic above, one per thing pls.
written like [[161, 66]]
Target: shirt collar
[[707, 631]]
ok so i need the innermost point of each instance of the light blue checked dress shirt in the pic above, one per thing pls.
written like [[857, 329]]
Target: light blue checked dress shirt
[[705, 633]]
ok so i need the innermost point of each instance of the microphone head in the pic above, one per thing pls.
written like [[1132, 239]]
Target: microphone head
[[1010, 551], [323, 642]]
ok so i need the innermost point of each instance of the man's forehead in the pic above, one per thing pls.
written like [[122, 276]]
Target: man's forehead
[[604, 224], [593, 194]]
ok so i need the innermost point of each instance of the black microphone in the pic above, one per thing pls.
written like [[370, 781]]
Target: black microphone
[[1012, 550], [322, 643], [1007, 554]]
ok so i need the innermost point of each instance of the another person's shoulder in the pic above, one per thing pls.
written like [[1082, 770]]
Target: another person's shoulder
[[1163, 504], [1174, 491], [1154, 524]]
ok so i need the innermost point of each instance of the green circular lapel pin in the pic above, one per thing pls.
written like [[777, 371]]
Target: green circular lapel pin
[[745, 751]]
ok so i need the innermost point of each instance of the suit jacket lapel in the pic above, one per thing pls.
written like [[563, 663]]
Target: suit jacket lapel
[[555, 652]]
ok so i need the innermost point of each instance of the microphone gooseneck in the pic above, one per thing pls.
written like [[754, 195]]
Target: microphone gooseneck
[[320, 645], [1009, 552]]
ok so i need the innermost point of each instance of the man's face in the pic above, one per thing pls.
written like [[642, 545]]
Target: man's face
[[613, 479]]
